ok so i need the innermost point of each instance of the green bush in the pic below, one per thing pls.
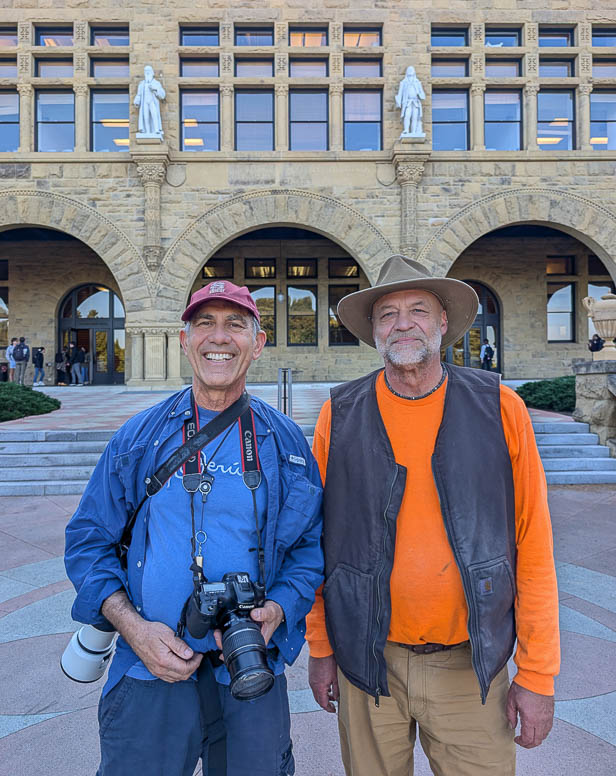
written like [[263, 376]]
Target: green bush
[[557, 394], [18, 401]]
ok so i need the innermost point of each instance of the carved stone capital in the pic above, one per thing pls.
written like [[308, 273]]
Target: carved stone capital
[[81, 90], [585, 89], [282, 90], [477, 89], [152, 255], [531, 90], [151, 172], [25, 90], [336, 89], [409, 172], [226, 90]]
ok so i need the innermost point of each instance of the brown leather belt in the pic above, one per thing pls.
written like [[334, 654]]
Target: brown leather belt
[[427, 649]]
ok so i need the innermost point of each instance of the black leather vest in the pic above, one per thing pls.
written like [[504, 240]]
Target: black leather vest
[[363, 494]]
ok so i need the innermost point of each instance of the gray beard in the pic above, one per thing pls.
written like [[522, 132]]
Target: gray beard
[[404, 357]]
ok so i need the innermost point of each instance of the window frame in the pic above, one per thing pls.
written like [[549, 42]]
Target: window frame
[[450, 61], [291, 121], [270, 92], [316, 28], [204, 29], [602, 146], [571, 121], [548, 30], [212, 90], [568, 257], [602, 32], [295, 60], [248, 261], [361, 28], [15, 93], [9, 30], [492, 61], [330, 262], [504, 31], [608, 60], [378, 91], [93, 93], [572, 284], [53, 29], [313, 262], [447, 30], [228, 275], [94, 61], [37, 122], [519, 122], [467, 123], [314, 288], [330, 344], [253, 60], [543, 61], [252, 287], [96, 30], [363, 60], [202, 60], [239, 30], [38, 61]]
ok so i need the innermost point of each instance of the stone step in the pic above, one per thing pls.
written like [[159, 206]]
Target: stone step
[[566, 439], [579, 464], [573, 451], [100, 435], [46, 473], [564, 427], [43, 488], [580, 478], [37, 448], [48, 459]]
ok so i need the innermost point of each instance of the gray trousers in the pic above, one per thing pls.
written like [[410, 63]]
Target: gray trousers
[[20, 371]]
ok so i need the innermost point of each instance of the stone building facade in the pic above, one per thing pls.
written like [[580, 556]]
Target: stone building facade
[[282, 166]]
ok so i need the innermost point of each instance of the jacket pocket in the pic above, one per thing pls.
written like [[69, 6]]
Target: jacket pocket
[[349, 595], [126, 465], [300, 505]]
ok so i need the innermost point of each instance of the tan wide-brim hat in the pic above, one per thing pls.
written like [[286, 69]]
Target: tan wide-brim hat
[[399, 273]]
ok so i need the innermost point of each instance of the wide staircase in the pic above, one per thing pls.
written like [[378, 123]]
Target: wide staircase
[[47, 463]]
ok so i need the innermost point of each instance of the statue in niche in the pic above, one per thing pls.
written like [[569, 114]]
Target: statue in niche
[[149, 93], [409, 97]]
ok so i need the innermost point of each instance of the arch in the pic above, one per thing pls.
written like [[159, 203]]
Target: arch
[[60, 213], [589, 222], [273, 207]]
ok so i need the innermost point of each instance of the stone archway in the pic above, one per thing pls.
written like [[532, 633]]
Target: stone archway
[[54, 211], [590, 222], [275, 207]]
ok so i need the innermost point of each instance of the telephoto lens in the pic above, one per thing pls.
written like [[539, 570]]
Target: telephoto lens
[[87, 654], [245, 654]]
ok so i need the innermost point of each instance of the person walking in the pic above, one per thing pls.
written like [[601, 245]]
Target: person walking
[[83, 361], [74, 355], [21, 354], [486, 354], [11, 359], [248, 502], [60, 361], [38, 359], [433, 570]]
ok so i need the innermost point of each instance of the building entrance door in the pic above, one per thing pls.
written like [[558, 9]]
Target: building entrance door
[[467, 350]]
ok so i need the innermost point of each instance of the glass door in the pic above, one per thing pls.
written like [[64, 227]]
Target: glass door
[[467, 350]]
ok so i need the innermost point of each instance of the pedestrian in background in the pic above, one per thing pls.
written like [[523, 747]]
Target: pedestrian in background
[[10, 358], [85, 366], [38, 359], [486, 355], [60, 361], [21, 353], [73, 359]]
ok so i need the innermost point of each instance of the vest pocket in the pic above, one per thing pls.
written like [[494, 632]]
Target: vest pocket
[[349, 596]]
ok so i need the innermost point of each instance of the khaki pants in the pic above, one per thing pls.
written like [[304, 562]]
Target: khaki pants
[[440, 693]]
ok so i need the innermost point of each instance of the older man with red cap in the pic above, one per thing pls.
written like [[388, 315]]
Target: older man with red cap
[[438, 547], [200, 532]]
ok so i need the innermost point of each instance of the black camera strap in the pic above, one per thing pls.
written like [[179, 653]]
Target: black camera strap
[[189, 449]]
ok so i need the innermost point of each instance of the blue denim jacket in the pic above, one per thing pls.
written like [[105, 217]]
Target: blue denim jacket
[[292, 536]]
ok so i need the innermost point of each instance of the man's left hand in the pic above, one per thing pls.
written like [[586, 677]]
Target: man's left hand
[[536, 715], [270, 615]]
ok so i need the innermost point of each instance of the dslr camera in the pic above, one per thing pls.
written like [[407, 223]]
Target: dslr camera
[[227, 605]]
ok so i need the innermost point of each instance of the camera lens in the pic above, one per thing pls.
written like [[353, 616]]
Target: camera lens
[[244, 652]]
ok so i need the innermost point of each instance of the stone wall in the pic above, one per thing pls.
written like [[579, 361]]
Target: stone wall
[[595, 398]]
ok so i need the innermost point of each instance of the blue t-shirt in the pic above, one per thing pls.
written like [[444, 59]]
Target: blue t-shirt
[[227, 518]]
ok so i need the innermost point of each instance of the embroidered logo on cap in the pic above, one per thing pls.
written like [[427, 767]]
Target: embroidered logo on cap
[[217, 288]]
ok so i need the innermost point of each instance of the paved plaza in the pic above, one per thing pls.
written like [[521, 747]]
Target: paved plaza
[[48, 723]]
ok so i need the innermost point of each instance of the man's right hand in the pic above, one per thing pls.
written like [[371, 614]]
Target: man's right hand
[[323, 680]]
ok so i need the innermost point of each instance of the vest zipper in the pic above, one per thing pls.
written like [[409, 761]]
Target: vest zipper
[[378, 589]]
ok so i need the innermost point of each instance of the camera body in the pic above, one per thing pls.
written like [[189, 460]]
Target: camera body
[[227, 605]]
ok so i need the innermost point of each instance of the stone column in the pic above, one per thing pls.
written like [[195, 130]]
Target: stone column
[[136, 355], [409, 171], [336, 117], [584, 91], [152, 173], [25, 116], [174, 356], [477, 131], [81, 116], [281, 142], [226, 117], [530, 112], [155, 355]]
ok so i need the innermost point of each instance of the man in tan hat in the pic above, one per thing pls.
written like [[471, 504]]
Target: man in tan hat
[[438, 547]]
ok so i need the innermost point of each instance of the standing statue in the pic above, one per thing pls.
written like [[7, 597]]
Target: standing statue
[[409, 97], [150, 91]]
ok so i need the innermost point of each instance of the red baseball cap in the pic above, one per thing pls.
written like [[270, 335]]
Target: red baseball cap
[[221, 289]]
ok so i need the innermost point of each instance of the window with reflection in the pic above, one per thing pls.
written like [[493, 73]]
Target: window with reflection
[[449, 68], [9, 121], [8, 68], [259, 268], [603, 119], [596, 266], [308, 68], [362, 68], [254, 120], [218, 269], [555, 120], [549, 37], [449, 36], [109, 68], [204, 68], [249, 36], [53, 36], [4, 316], [55, 121], [502, 38], [450, 126], [308, 36], [603, 68], [92, 302], [109, 118], [301, 268], [555, 68], [53, 68], [308, 120], [560, 311], [301, 315], [265, 299], [503, 68], [363, 111], [503, 120], [596, 290], [200, 120], [604, 36], [362, 37], [199, 36], [254, 68], [560, 265], [8, 37], [338, 333], [118, 307], [119, 350], [105, 37], [342, 268]]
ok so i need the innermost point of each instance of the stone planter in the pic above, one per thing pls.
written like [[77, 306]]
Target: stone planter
[[603, 314]]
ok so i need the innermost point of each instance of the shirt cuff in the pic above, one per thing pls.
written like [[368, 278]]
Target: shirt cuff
[[320, 648], [531, 680]]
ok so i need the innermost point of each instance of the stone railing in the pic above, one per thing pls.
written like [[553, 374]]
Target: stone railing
[[595, 399]]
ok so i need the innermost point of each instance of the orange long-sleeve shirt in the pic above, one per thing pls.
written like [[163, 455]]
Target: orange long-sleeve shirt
[[427, 598]]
